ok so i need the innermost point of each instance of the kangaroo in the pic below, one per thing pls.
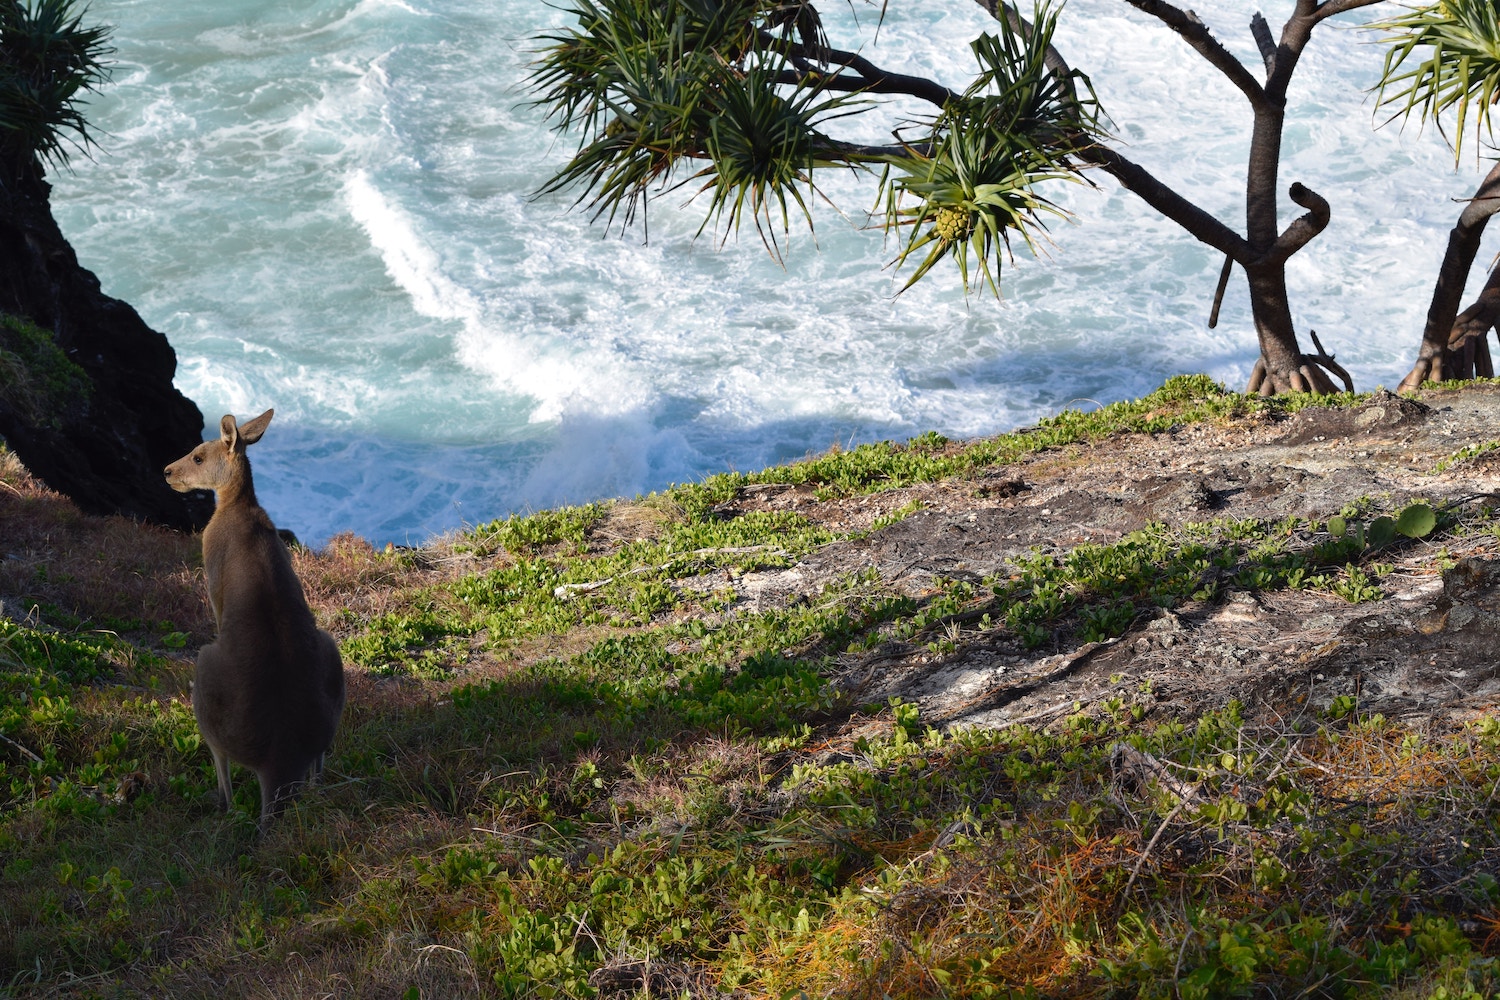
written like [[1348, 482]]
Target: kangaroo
[[269, 690]]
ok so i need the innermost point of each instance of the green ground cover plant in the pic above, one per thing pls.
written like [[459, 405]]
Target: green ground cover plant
[[1465, 453], [37, 380], [885, 465], [670, 776]]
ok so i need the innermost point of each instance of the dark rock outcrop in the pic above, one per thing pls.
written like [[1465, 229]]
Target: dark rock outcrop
[[105, 444]]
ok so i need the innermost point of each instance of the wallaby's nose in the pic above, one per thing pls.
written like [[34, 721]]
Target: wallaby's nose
[[167, 472]]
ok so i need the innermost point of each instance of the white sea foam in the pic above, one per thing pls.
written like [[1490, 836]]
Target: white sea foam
[[328, 209], [409, 261]]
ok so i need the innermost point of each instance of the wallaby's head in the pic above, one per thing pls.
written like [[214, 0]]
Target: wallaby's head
[[212, 464]]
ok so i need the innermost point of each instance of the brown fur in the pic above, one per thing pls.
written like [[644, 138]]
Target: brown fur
[[269, 690]]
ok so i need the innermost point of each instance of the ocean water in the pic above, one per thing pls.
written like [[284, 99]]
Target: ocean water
[[328, 208]]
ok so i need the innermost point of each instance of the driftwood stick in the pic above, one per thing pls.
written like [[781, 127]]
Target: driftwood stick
[[19, 747], [1150, 846], [1145, 771], [565, 591]]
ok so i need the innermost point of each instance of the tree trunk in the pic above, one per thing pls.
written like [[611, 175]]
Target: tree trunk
[[1448, 346], [1264, 250], [1282, 366], [104, 445], [1469, 346]]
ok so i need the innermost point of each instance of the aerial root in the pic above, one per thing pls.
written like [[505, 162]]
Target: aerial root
[[1310, 375], [1467, 354], [1257, 377], [1425, 370], [1323, 361]]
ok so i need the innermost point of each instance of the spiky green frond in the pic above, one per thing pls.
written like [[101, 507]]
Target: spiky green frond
[[748, 88], [48, 61], [583, 72], [761, 148], [1443, 56], [650, 83], [1018, 125]]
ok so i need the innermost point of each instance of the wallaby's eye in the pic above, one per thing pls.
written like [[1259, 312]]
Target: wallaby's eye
[[197, 459]]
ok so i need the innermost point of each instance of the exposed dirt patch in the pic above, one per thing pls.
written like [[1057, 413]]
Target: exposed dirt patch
[[1429, 646], [1384, 412]]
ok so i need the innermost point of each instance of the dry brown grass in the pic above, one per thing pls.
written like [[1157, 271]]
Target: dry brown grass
[[641, 520], [350, 580], [108, 570]]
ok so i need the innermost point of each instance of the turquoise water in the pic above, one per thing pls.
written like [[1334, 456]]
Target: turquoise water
[[327, 208]]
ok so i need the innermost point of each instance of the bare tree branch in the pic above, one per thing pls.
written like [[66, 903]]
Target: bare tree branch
[[1329, 8], [856, 154], [1213, 314], [1263, 41], [871, 79], [1196, 34], [1200, 224], [1302, 229]]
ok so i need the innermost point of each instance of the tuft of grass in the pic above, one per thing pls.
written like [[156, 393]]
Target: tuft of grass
[[527, 535]]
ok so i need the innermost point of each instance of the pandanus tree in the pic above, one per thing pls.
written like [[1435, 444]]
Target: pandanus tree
[[1446, 57], [751, 94]]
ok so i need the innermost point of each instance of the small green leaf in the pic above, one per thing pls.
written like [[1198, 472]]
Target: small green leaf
[[1382, 531], [1337, 526], [1416, 521], [174, 640]]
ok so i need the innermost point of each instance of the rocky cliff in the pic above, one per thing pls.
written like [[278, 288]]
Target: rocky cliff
[[86, 394]]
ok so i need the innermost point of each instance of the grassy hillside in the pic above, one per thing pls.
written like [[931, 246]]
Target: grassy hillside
[[577, 761]]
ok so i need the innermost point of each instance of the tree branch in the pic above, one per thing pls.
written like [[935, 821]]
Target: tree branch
[[872, 78], [1200, 225], [1213, 314], [916, 86], [1263, 41], [854, 153], [1302, 229], [1197, 35], [890, 83], [1328, 8]]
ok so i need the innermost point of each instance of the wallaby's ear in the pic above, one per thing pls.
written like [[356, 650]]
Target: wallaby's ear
[[228, 432], [251, 431]]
